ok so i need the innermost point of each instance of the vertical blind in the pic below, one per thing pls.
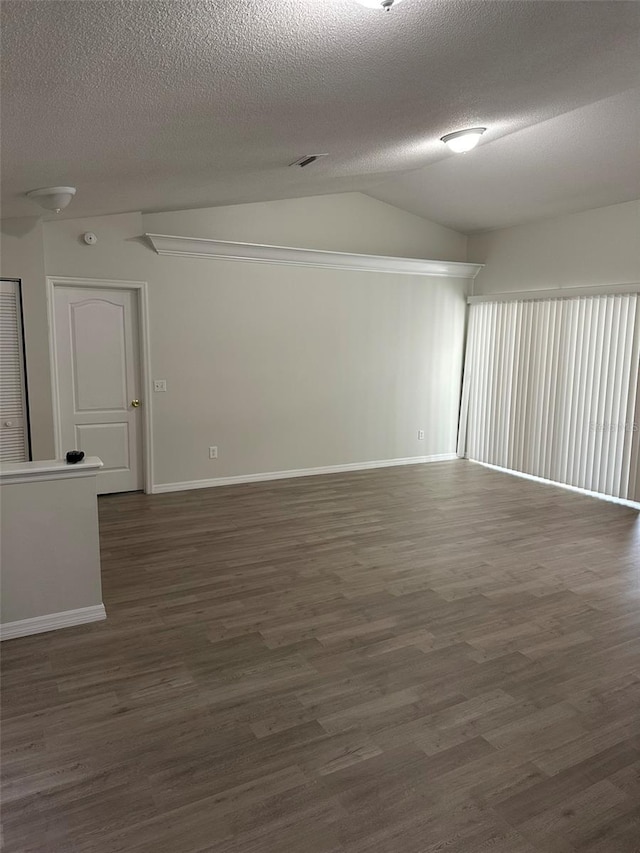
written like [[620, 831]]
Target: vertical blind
[[551, 389], [13, 421]]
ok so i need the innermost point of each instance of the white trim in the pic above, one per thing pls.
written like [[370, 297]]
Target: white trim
[[599, 495], [52, 469], [197, 247], [52, 622], [142, 291], [299, 472], [556, 293]]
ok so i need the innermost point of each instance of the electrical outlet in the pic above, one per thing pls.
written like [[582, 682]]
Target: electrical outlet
[[420, 435], [159, 384], [213, 453]]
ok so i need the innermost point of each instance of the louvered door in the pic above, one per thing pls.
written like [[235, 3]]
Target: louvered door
[[14, 440]]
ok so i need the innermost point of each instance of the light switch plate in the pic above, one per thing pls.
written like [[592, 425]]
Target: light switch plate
[[159, 384]]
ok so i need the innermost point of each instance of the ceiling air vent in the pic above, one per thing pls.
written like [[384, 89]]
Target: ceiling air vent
[[307, 160]]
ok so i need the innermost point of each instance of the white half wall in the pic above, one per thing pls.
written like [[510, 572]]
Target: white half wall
[[50, 550], [596, 247]]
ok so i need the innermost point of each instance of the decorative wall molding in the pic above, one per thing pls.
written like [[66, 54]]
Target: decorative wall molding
[[300, 472], [556, 293], [197, 247], [52, 622]]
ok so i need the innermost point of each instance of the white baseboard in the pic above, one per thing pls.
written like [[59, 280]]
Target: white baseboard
[[52, 622], [298, 472]]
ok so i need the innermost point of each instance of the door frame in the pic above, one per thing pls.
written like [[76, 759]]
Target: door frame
[[140, 290]]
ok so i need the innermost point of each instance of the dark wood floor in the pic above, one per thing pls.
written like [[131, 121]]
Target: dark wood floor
[[410, 660]]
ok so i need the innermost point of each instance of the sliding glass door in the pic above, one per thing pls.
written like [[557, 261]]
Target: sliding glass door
[[551, 389]]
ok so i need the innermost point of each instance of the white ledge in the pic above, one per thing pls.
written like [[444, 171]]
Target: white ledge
[[197, 247], [51, 469]]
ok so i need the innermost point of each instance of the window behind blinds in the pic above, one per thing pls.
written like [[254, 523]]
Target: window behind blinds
[[551, 389], [14, 446]]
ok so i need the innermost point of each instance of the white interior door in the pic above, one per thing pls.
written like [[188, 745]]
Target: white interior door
[[97, 364]]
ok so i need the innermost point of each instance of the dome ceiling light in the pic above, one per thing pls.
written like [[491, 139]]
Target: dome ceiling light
[[379, 4], [463, 140], [52, 198]]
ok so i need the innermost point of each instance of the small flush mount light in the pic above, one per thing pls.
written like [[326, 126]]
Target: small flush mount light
[[379, 4], [52, 198], [463, 140]]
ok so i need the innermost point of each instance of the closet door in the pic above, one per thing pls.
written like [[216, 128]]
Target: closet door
[[14, 435]]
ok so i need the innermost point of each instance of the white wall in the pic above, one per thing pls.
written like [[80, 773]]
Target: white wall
[[286, 367], [50, 549], [348, 222], [600, 246]]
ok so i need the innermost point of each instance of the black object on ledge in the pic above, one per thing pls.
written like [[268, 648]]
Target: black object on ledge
[[74, 456]]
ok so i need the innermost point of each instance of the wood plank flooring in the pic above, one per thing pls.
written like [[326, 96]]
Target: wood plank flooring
[[429, 658]]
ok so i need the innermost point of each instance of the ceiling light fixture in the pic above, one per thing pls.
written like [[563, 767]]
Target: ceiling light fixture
[[379, 4], [463, 140], [52, 198]]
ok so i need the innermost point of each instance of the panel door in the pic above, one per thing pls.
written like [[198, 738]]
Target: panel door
[[98, 377]]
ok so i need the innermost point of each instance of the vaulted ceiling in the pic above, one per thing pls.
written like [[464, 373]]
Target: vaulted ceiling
[[172, 104]]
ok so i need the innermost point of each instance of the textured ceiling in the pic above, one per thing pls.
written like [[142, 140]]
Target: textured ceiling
[[159, 105], [587, 158]]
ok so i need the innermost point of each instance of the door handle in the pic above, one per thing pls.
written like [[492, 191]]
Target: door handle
[[135, 403]]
